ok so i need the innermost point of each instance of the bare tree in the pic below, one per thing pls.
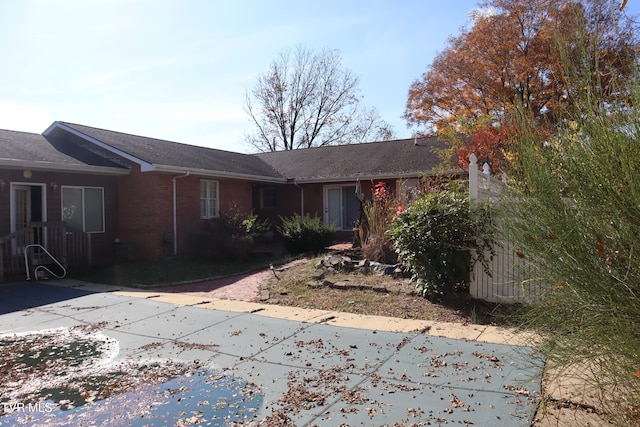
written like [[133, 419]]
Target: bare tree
[[307, 99]]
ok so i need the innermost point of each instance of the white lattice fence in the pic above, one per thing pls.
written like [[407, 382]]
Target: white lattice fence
[[504, 284]]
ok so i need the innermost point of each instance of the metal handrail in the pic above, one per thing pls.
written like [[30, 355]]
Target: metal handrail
[[42, 267]]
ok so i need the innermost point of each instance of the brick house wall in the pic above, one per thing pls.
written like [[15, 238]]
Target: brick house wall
[[235, 197], [146, 214], [288, 200], [139, 227], [288, 196]]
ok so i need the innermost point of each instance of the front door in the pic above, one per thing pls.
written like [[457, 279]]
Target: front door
[[27, 207], [341, 206], [21, 207]]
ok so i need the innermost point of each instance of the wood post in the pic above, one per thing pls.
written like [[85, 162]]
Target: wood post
[[473, 177]]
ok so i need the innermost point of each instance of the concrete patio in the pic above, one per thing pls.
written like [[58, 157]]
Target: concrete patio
[[405, 372]]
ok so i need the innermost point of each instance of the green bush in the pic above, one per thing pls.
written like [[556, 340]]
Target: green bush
[[230, 237], [253, 226], [435, 237], [305, 234]]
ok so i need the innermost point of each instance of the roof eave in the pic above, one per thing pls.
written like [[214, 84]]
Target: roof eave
[[219, 174], [367, 177], [61, 167]]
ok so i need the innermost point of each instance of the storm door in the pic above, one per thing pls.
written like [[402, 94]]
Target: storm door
[[27, 207], [341, 206]]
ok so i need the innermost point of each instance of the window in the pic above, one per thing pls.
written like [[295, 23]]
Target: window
[[407, 190], [267, 198], [83, 208], [209, 199]]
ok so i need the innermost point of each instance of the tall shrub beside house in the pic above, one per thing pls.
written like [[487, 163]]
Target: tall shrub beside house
[[577, 223], [437, 236], [577, 220]]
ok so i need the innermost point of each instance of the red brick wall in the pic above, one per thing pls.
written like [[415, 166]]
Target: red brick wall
[[187, 209], [142, 198], [147, 210], [288, 200], [314, 200], [235, 197], [139, 207]]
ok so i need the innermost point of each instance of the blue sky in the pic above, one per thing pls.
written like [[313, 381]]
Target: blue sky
[[179, 69]]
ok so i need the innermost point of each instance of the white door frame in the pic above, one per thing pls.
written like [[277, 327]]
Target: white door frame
[[12, 201]]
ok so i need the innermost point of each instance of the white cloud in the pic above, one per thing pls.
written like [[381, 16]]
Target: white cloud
[[486, 12], [101, 79], [188, 114], [141, 67], [21, 117]]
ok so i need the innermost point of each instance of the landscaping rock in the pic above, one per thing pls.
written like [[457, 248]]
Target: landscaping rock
[[363, 264], [319, 274], [344, 263]]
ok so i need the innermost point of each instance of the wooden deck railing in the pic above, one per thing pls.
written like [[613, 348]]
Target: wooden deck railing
[[67, 246]]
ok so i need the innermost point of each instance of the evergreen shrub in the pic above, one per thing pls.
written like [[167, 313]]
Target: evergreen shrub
[[437, 237], [303, 234]]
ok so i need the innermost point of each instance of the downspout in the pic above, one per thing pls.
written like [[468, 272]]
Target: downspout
[[301, 197], [175, 213]]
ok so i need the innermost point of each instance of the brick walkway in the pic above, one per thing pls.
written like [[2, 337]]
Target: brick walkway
[[244, 287]]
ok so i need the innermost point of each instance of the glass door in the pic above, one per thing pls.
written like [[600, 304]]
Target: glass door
[[341, 206], [27, 207], [21, 207], [333, 208]]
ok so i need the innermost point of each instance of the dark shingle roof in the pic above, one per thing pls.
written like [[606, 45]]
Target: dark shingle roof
[[167, 153], [72, 144], [386, 158], [17, 148]]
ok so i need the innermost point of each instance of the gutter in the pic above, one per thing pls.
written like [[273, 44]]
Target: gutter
[[219, 174], [61, 167], [348, 178], [175, 212]]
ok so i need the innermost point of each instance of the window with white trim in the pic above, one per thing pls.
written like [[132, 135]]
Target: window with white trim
[[209, 199], [83, 208]]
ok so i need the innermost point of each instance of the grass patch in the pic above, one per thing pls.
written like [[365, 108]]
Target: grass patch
[[172, 271]]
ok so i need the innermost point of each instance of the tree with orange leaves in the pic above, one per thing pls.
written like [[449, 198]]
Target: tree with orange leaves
[[511, 58], [489, 143]]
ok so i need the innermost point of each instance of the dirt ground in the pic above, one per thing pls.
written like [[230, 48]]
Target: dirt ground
[[303, 285], [297, 284]]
